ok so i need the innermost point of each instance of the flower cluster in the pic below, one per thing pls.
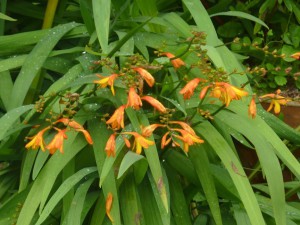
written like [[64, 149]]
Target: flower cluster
[[56, 143]]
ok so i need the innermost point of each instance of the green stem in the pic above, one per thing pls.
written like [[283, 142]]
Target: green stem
[[49, 14]]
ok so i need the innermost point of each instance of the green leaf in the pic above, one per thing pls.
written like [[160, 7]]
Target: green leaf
[[10, 118], [74, 214], [35, 61], [230, 161], [280, 80], [177, 105], [6, 86], [242, 15], [179, 205], [130, 203], [12, 63], [63, 189], [101, 11], [149, 205], [129, 35], [5, 17], [200, 161], [266, 155], [138, 161]]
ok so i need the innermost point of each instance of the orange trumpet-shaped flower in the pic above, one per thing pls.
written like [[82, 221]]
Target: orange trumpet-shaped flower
[[58, 141], [184, 126], [108, 205], [116, 121], [109, 80], [76, 126], [148, 130], [165, 140], [37, 140], [296, 55], [110, 147], [187, 138], [177, 63], [139, 142], [252, 108], [145, 75], [134, 99], [276, 101], [155, 103], [188, 90], [226, 92]]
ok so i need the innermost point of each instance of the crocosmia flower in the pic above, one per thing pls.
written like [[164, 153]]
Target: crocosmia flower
[[37, 141], [110, 147], [109, 80], [145, 75], [108, 205], [116, 121], [155, 103], [58, 141], [187, 138], [276, 101], [296, 55], [134, 99], [177, 63], [139, 142], [225, 92], [148, 130], [189, 88], [252, 108], [77, 127]]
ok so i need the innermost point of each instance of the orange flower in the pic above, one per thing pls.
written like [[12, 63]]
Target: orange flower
[[187, 138], [148, 130], [134, 99], [104, 81], [276, 101], [165, 141], [110, 147], [58, 141], [296, 55], [145, 75], [116, 121], [184, 126], [76, 126], [155, 103], [177, 63], [252, 108], [226, 92], [139, 142], [37, 140], [189, 88], [108, 205]]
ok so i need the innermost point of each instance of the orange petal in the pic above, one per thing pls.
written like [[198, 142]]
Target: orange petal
[[108, 205]]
